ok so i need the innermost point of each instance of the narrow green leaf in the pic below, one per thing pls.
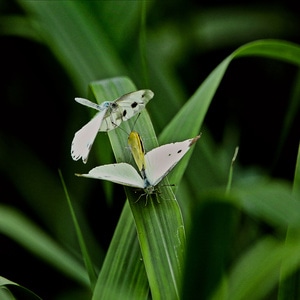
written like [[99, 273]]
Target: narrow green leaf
[[289, 117], [229, 183], [191, 116], [85, 254], [18, 26], [276, 49], [209, 243], [41, 190], [16, 226], [296, 184], [6, 294], [246, 282], [8, 283], [159, 225], [142, 44], [123, 273], [74, 35], [271, 201], [288, 286]]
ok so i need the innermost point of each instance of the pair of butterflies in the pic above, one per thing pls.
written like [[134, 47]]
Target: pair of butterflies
[[153, 165]]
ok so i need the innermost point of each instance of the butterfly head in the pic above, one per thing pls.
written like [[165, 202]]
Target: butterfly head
[[106, 104]]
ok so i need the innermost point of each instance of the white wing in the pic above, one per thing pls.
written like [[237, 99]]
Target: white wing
[[89, 103], [84, 138], [161, 160], [121, 173], [125, 108], [110, 116]]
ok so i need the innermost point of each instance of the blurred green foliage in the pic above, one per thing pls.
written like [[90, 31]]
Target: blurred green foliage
[[52, 50]]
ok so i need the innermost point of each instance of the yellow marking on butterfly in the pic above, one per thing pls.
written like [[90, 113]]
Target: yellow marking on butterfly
[[137, 149]]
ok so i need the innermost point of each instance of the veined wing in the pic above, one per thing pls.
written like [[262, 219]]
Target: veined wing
[[121, 173], [161, 160], [89, 103], [84, 138], [124, 108]]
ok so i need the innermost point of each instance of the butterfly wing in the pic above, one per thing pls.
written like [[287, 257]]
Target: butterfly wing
[[88, 103], [125, 108], [121, 173], [137, 149], [161, 160], [84, 138]]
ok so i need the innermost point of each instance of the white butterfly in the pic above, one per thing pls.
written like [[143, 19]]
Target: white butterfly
[[154, 165], [110, 116]]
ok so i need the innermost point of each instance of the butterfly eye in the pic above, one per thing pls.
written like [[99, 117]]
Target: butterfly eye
[[105, 105]]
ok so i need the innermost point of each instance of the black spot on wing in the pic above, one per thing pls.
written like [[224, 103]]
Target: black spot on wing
[[124, 113], [134, 104], [179, 151]]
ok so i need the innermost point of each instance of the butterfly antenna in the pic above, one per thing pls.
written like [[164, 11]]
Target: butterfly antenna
[[135, 121], [120, 127]]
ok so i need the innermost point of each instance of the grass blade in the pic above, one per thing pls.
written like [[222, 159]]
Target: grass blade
[[191, 116], [10, 284], [93, 55], [288, 285], [86, 257], [19, 228], [296, 185], [123, 273], [159, 225], [245, 282], [124, 251], [229, 183]]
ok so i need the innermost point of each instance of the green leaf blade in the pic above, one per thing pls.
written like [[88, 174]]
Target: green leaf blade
[[156, 223]]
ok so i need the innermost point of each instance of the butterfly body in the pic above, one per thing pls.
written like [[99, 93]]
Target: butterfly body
[[111, 114], [137, 150]]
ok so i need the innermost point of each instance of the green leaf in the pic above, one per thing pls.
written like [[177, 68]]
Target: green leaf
[[79, 43], [16, 226], [256, 272], [288, 286], [159, 226], [10, 284], [229, 183], [296, 185], [191, 116], [271, 201], [123, 273], [85, 254], [209, 243]]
